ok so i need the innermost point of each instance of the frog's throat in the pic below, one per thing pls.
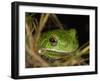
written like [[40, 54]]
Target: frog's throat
[[55, 51]]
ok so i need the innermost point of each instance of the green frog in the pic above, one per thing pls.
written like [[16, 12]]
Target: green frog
[[58, 43]]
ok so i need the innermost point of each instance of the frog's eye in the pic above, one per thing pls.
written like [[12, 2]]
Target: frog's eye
[[53, 41]]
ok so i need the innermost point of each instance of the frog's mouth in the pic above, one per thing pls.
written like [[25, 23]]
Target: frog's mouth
[[56, 51]]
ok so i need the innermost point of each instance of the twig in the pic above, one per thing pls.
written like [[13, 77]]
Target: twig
[[84, 45], [36, 57], [84, 50], [57, 21], [30, 49], [29, 34], [42, 22]]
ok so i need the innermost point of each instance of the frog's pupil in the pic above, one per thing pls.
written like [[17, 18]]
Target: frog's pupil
[[53, 41]]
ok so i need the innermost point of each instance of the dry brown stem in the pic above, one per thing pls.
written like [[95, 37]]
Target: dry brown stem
[[56, 21], [36, 57], [43, 20], [30, 48]]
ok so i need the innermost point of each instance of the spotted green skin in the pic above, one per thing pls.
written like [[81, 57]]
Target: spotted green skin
[[66, 41]]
